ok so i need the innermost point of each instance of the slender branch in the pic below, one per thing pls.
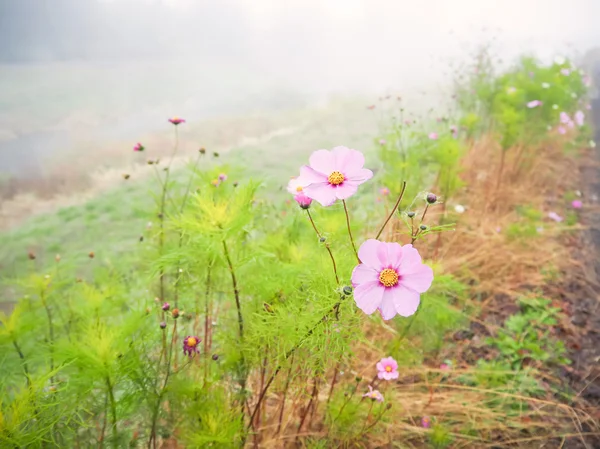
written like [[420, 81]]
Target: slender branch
[[367, 418], [285, 390], [414, 237], [393, 210], [349, 230], [337, 279], [113, 407], [50, 332], [25, 368]]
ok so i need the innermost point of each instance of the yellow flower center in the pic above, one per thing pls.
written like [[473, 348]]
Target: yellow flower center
[[298, 189], [388, 369], [388, 278], [336, 178], [192, 342]]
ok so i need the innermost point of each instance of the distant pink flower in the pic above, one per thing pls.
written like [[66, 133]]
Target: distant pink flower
[[587, 80], [426, 422], [190, 345], [565, 72], [296, 185], [579, 118], [390, 278], [562, 130], [588, 107], [384, 191], [454, 130], [407, 122], [577, 204], [303, 201], [138, 147], [534, 104], [433, 136], [222, 177], [334, 175], [382, 142], [373, 394], [564, 118], [554, 216], [176, 120], [387, 368], [445, 367]]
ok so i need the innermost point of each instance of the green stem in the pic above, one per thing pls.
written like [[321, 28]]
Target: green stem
[[337, 279], [113, 407], [393, 210], [349, 230]]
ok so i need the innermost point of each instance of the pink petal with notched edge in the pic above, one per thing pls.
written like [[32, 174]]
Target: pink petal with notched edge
[[345, 190], [360, 176], [309, 175], [387, 307], [323, 161], [347, 161], [419, 280], [411, 259], [321, 192], [406, 300], [368, 296], [394, 255], [367, 253], [363, 274]]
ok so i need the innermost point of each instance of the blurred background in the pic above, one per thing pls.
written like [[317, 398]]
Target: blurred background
[[81, 81]]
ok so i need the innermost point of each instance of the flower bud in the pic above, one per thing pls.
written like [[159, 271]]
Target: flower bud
[[91, 255], [202, 150], [358, 378], [347, 290], [388, 406], [303, 201], [423, 227], [410, 214], [215, 154], [163, 325], [125, 175], [431, 198], [215, 357], [175, 313], [322, 239], [166, 306], [235, 184], [31, 255]]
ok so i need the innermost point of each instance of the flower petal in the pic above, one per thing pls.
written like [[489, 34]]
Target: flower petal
[[323, 161], [363, 274], [321, 192], [368, 296], [406, 300], [348, 161], [419, 280], [373, 253], [359, 176], [387, 307], [345, 190], [410, 261], [309, 176], [394, 255]]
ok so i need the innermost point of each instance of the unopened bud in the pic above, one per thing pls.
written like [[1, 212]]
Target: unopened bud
[[125, 175], [235, 184], [388, 406], [166, 306], [423, 227], [431, 198], [215, 357], [31, 255], [347, 290], [163, 325], [91, 255], [215, 154], [202, 150], [410, 214], [358, 378], [175, 313], [322, 239]]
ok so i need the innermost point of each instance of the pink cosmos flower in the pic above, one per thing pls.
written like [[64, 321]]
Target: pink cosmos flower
[[382, 142], [296, 185], [138, 147], [579, 118], [387, 368], [534, 104], [190, 345], [176, 120], [564, 118], [334, 175], [445, 367], [426, 422], [554, 216], [390, 278], [384, 191], [562, 130], [565, 72], [433, 136], [222, 177], [577, 204], [303, 201], [373, 394]]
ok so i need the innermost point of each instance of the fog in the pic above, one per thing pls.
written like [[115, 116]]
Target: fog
[[111, 69]]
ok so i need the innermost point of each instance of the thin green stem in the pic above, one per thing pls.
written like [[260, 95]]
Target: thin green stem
[[113, 408], [22, 357], [367, 418], [350, 230], [337, 279], [393, 210]]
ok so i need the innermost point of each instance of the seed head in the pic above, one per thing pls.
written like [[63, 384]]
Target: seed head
[[347, 290], [163, 325], [431, 198], [175, 313]]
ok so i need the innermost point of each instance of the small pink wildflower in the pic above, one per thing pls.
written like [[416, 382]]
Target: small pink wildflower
[[390, 278], [303, 201], [334, 175], [426, 422], [445, 367], [534, 104], [433, 136], [579, 118], [564, 118], [384, 191], [577, 204], [296, 185], [382, 142], [565, 72], [222, 177], [138, 147], [562, 130], [554, 216], [373, 394], [176, 120], [190, 345], [387, 368]]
